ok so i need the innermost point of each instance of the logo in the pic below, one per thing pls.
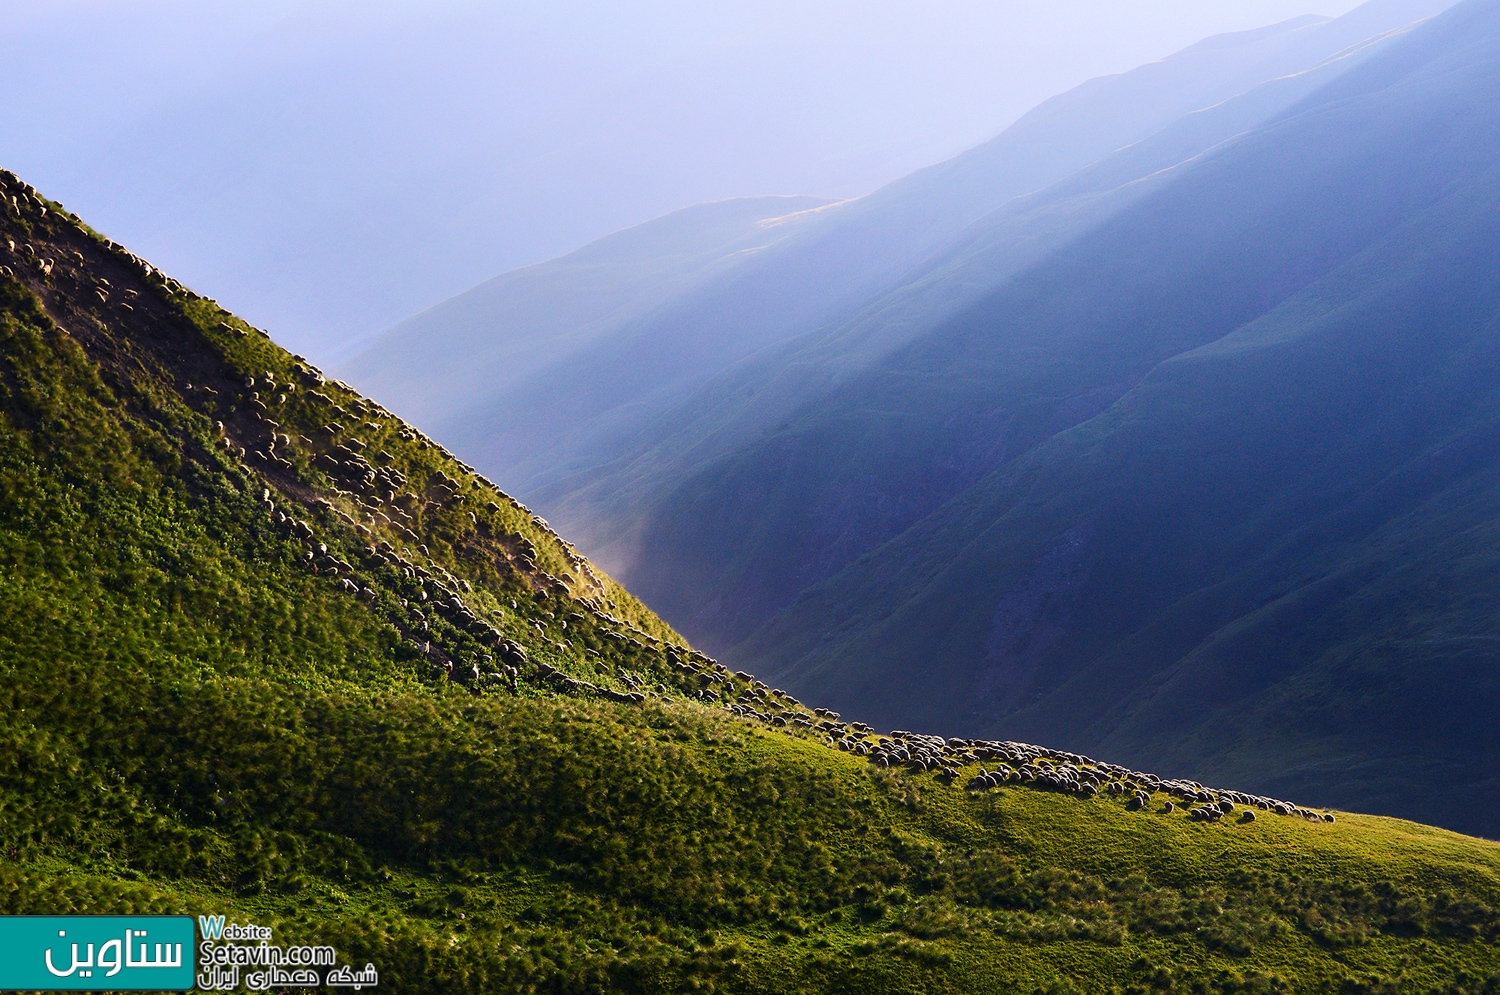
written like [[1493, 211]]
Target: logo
[[97, 953], [231, 955], [162, 953]]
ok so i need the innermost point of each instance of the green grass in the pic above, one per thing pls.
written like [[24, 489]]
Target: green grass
[[194, 721]]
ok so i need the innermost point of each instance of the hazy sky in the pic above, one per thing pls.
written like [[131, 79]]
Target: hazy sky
[[326, 169]]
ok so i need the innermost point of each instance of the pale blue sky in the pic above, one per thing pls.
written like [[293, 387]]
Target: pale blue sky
[[326, 169]]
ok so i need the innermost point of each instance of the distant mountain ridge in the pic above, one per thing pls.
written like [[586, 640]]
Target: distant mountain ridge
[[1265, 537], [517, 328], [822, 270], [799, 538]]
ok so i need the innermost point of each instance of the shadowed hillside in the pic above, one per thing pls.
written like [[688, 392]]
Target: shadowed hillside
[[1242, 498], [723, 546]]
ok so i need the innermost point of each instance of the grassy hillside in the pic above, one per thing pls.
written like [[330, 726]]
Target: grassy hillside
[[228, 683]]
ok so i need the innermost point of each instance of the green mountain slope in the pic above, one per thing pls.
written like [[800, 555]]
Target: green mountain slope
[[1242, 513], [265, 650]]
